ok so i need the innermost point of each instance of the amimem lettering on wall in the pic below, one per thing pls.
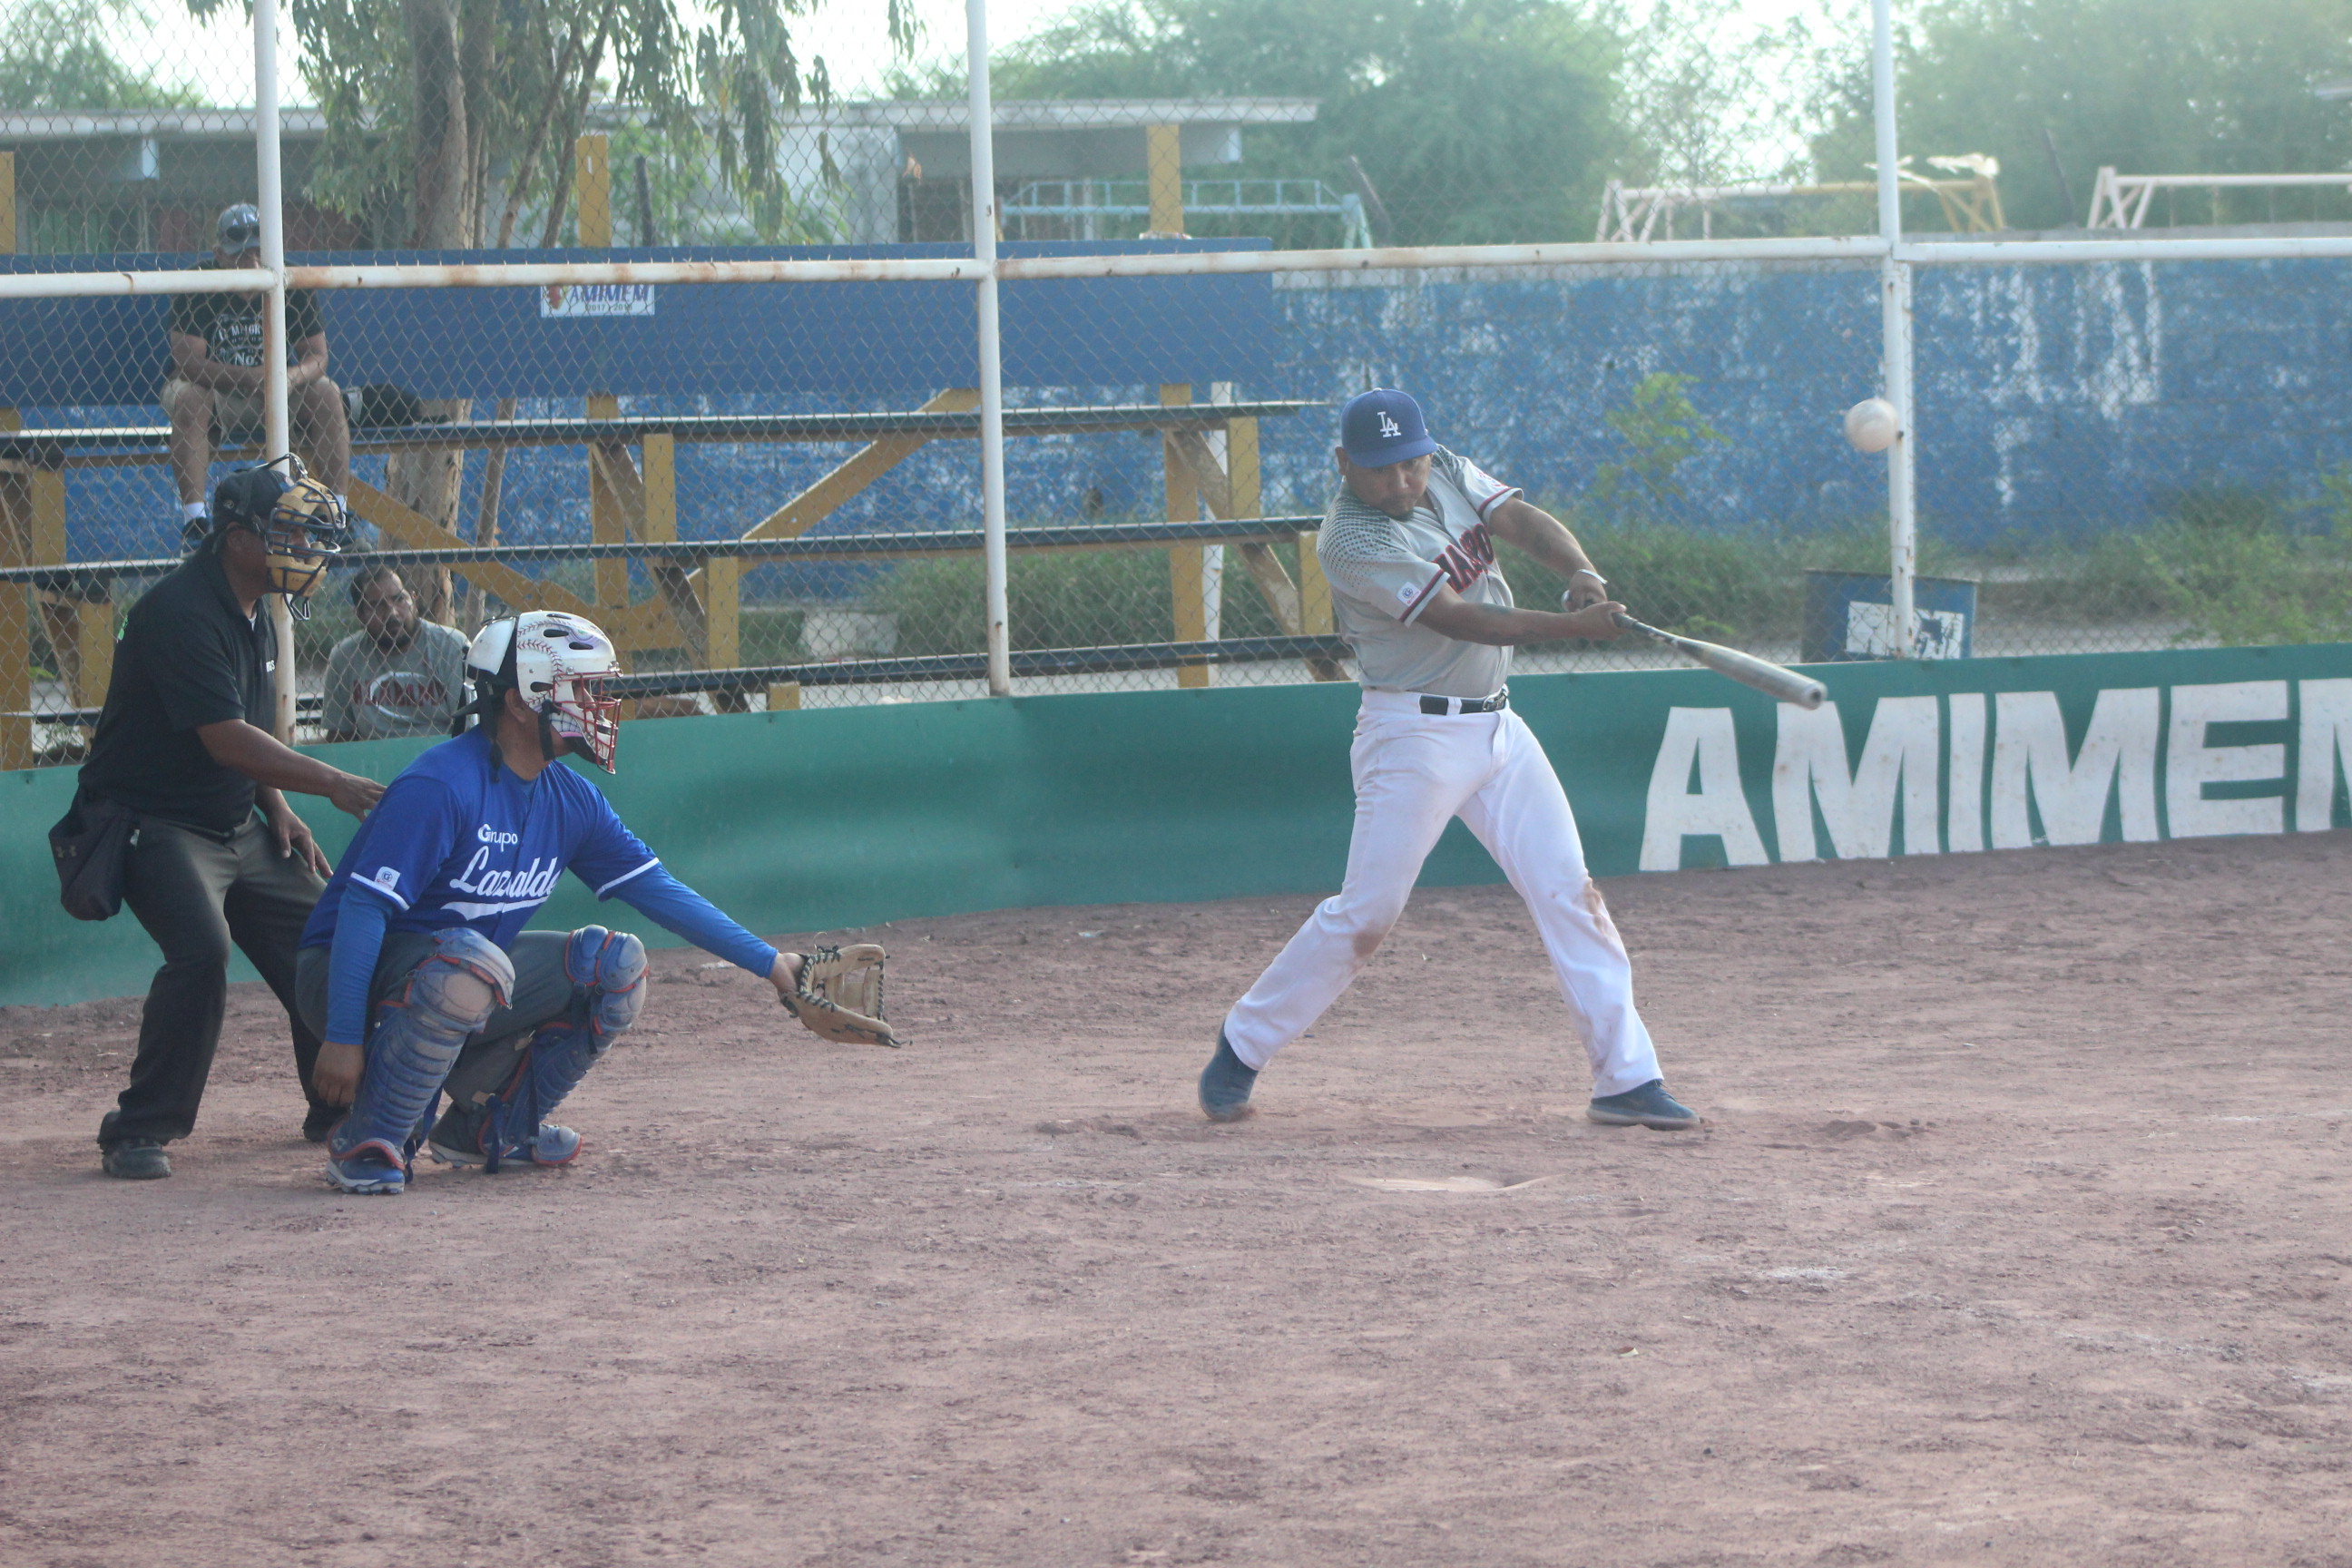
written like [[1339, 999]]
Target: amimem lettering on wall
[[1971, 770], [572, 301]]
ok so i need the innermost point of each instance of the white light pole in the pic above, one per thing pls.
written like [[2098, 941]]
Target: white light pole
[[1894, 291], [277, 438], [991, 367]]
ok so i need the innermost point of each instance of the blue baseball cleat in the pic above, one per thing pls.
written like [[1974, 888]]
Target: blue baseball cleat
[[1649, 1106], [461, 1136], [368, 1170], [1225, 1084]]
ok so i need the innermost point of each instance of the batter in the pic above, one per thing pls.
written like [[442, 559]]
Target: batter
[[1408, 547]]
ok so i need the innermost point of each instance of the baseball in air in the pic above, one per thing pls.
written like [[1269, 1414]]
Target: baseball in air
[[1870, 425]]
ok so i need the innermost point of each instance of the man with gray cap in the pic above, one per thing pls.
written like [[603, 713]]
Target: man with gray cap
[[1408, 545], [217, 378]]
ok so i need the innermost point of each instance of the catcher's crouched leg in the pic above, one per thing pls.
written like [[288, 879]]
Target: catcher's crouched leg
[[448, 996], [498, 1112]]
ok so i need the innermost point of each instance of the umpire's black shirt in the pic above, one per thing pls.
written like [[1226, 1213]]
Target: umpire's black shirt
[[189, 656]]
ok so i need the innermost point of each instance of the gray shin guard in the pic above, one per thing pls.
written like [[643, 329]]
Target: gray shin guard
[[607, 970], [448, 996]]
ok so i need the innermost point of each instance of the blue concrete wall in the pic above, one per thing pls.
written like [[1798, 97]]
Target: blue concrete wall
[[2052, 400]]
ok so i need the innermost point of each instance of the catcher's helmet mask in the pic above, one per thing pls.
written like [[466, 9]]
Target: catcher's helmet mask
[[300, 522], [561, 664]]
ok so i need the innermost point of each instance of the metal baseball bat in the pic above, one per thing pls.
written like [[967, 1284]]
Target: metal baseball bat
[[1771, 680]]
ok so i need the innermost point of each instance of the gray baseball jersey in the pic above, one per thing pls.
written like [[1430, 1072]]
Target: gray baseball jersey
[[1384, 570], [370, 694]]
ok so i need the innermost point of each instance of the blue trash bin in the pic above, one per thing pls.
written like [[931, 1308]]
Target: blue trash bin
[[1851, 616]]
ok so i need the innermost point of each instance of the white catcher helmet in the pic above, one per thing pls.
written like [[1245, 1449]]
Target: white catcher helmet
[[562, 665]]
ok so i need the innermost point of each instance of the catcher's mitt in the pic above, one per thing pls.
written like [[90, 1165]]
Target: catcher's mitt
[[837, 993]]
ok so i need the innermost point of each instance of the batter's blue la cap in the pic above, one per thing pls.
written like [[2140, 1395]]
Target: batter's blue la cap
[[1383, 426]]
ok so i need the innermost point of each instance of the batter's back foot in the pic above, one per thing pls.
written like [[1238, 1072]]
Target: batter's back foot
[[1649, 1106], [1225, 1084]]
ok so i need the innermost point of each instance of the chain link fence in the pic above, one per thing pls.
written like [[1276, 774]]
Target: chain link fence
[[783, 480], [2136, 455], [117, 138]]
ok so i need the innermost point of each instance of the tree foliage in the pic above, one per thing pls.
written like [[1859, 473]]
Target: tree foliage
[[2149, 86], [428, 101], [1665, 429], [1475, 120], [54, 56], [1704, 96]]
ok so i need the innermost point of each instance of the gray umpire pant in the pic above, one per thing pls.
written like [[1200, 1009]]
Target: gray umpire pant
[[197, 893]]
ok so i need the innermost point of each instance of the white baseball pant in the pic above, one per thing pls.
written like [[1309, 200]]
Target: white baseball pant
[[1415, 772]]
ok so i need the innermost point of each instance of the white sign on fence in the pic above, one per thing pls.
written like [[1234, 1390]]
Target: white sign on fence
[[1870, 632], [1926, 761], [574, 301]]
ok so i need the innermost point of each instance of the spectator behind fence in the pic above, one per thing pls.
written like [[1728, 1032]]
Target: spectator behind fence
[[399, 674], [184, 742], [216, 380]]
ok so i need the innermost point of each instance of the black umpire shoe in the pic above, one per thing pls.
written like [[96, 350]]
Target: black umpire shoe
[[1649, 1106], [319, 1123], [135, 1159], [1225, 1084]]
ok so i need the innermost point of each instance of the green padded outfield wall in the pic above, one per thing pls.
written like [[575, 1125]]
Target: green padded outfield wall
[[829, 819]]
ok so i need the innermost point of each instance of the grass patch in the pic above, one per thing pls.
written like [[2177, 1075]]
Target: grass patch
[[1728, 587], [2235, 566], [1075, 599]]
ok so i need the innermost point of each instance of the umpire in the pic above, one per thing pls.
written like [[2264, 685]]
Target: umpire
[[184, 742]]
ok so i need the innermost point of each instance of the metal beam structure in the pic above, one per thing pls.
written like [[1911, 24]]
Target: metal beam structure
[[1633, 213], [2121, 200]]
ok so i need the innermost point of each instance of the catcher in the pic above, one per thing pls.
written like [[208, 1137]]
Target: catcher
[[414, 968]]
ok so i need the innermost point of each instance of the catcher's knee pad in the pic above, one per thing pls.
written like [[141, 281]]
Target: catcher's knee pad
[[607, 971], [610, 967], [449, 994]]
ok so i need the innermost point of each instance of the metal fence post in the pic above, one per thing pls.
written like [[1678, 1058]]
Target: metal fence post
[[279, 439], [983, 248], [16, 533], [1894, 316], [591, 184], [992, 365]]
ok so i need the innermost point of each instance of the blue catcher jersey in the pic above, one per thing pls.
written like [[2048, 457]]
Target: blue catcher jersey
[[460, 840]]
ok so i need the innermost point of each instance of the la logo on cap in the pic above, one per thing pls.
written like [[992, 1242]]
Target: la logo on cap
[[1390, 428]]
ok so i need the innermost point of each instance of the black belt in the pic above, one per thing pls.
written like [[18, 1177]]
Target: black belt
[[1442, 705]]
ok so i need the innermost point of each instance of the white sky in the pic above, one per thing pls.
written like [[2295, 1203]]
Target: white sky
[[216, 55], [847, 33]]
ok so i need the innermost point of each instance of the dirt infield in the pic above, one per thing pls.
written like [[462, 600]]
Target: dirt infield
[[2020, 1233]]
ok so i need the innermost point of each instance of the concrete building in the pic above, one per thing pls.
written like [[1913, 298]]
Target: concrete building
[[865, 173]]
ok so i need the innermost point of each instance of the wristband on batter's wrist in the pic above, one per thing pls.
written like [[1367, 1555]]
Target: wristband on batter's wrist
[[1583, 572]]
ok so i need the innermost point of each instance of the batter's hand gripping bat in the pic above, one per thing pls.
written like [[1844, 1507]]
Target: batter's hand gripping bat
[[1771, 680]]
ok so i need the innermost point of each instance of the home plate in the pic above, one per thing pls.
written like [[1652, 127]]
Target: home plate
[[1444, 1183]]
